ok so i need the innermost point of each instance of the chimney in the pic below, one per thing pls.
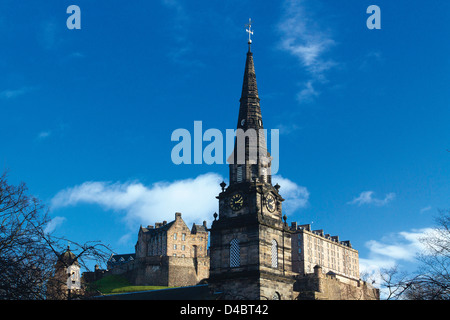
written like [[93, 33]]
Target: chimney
[[318, 271]]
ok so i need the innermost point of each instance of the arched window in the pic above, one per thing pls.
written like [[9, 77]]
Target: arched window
[[274, 254], [235, 254]]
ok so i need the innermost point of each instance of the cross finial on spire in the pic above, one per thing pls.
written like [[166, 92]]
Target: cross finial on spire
[[250, 32]]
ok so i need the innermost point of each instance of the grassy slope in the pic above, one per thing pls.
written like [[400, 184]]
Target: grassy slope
[[112, 284]]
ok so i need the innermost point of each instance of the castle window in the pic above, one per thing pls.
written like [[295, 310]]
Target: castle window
[[183, 236], [174, 236], [235, 254], [274, 254]]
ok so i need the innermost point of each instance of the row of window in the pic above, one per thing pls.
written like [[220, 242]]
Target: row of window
[[183, 247], [235, 254], [183, 237]]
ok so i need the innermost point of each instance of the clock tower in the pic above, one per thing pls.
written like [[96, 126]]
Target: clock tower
[[250, 250]]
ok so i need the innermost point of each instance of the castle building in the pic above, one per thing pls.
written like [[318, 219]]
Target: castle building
[[166, 254], [172, 239]]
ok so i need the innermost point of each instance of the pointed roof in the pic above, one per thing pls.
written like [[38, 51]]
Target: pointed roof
[[250, 116], [250, 110], [67, 258]]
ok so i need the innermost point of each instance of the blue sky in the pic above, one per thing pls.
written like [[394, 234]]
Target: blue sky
[[363, 114]]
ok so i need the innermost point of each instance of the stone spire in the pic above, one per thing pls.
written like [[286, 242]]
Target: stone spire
[[255, 167], [250, 110]]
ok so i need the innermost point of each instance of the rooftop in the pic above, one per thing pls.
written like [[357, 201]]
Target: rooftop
[[307, 227]]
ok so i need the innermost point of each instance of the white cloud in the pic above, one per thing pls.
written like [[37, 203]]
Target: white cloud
[[307, 93], [296, 197], [428, 208], [43, 135], [127, 238], [394, 249], [179, 31], [303, 38], [287, 128], [76, 55], [140, 204], [371, 60], [366, 197], [53, 224], [14, 93], [194, 198]]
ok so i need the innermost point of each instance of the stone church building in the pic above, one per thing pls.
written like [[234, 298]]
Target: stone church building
[[253, 253]]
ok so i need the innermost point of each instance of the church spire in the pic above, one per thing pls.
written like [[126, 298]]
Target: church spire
[[251, 160], [249, 111]]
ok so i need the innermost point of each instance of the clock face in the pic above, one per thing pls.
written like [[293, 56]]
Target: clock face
[[236, 202], [270, 203]]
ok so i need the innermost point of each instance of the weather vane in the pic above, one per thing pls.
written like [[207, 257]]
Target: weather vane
[[249, 31]]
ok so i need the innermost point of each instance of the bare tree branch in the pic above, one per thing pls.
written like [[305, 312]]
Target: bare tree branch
[[28, 254]]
